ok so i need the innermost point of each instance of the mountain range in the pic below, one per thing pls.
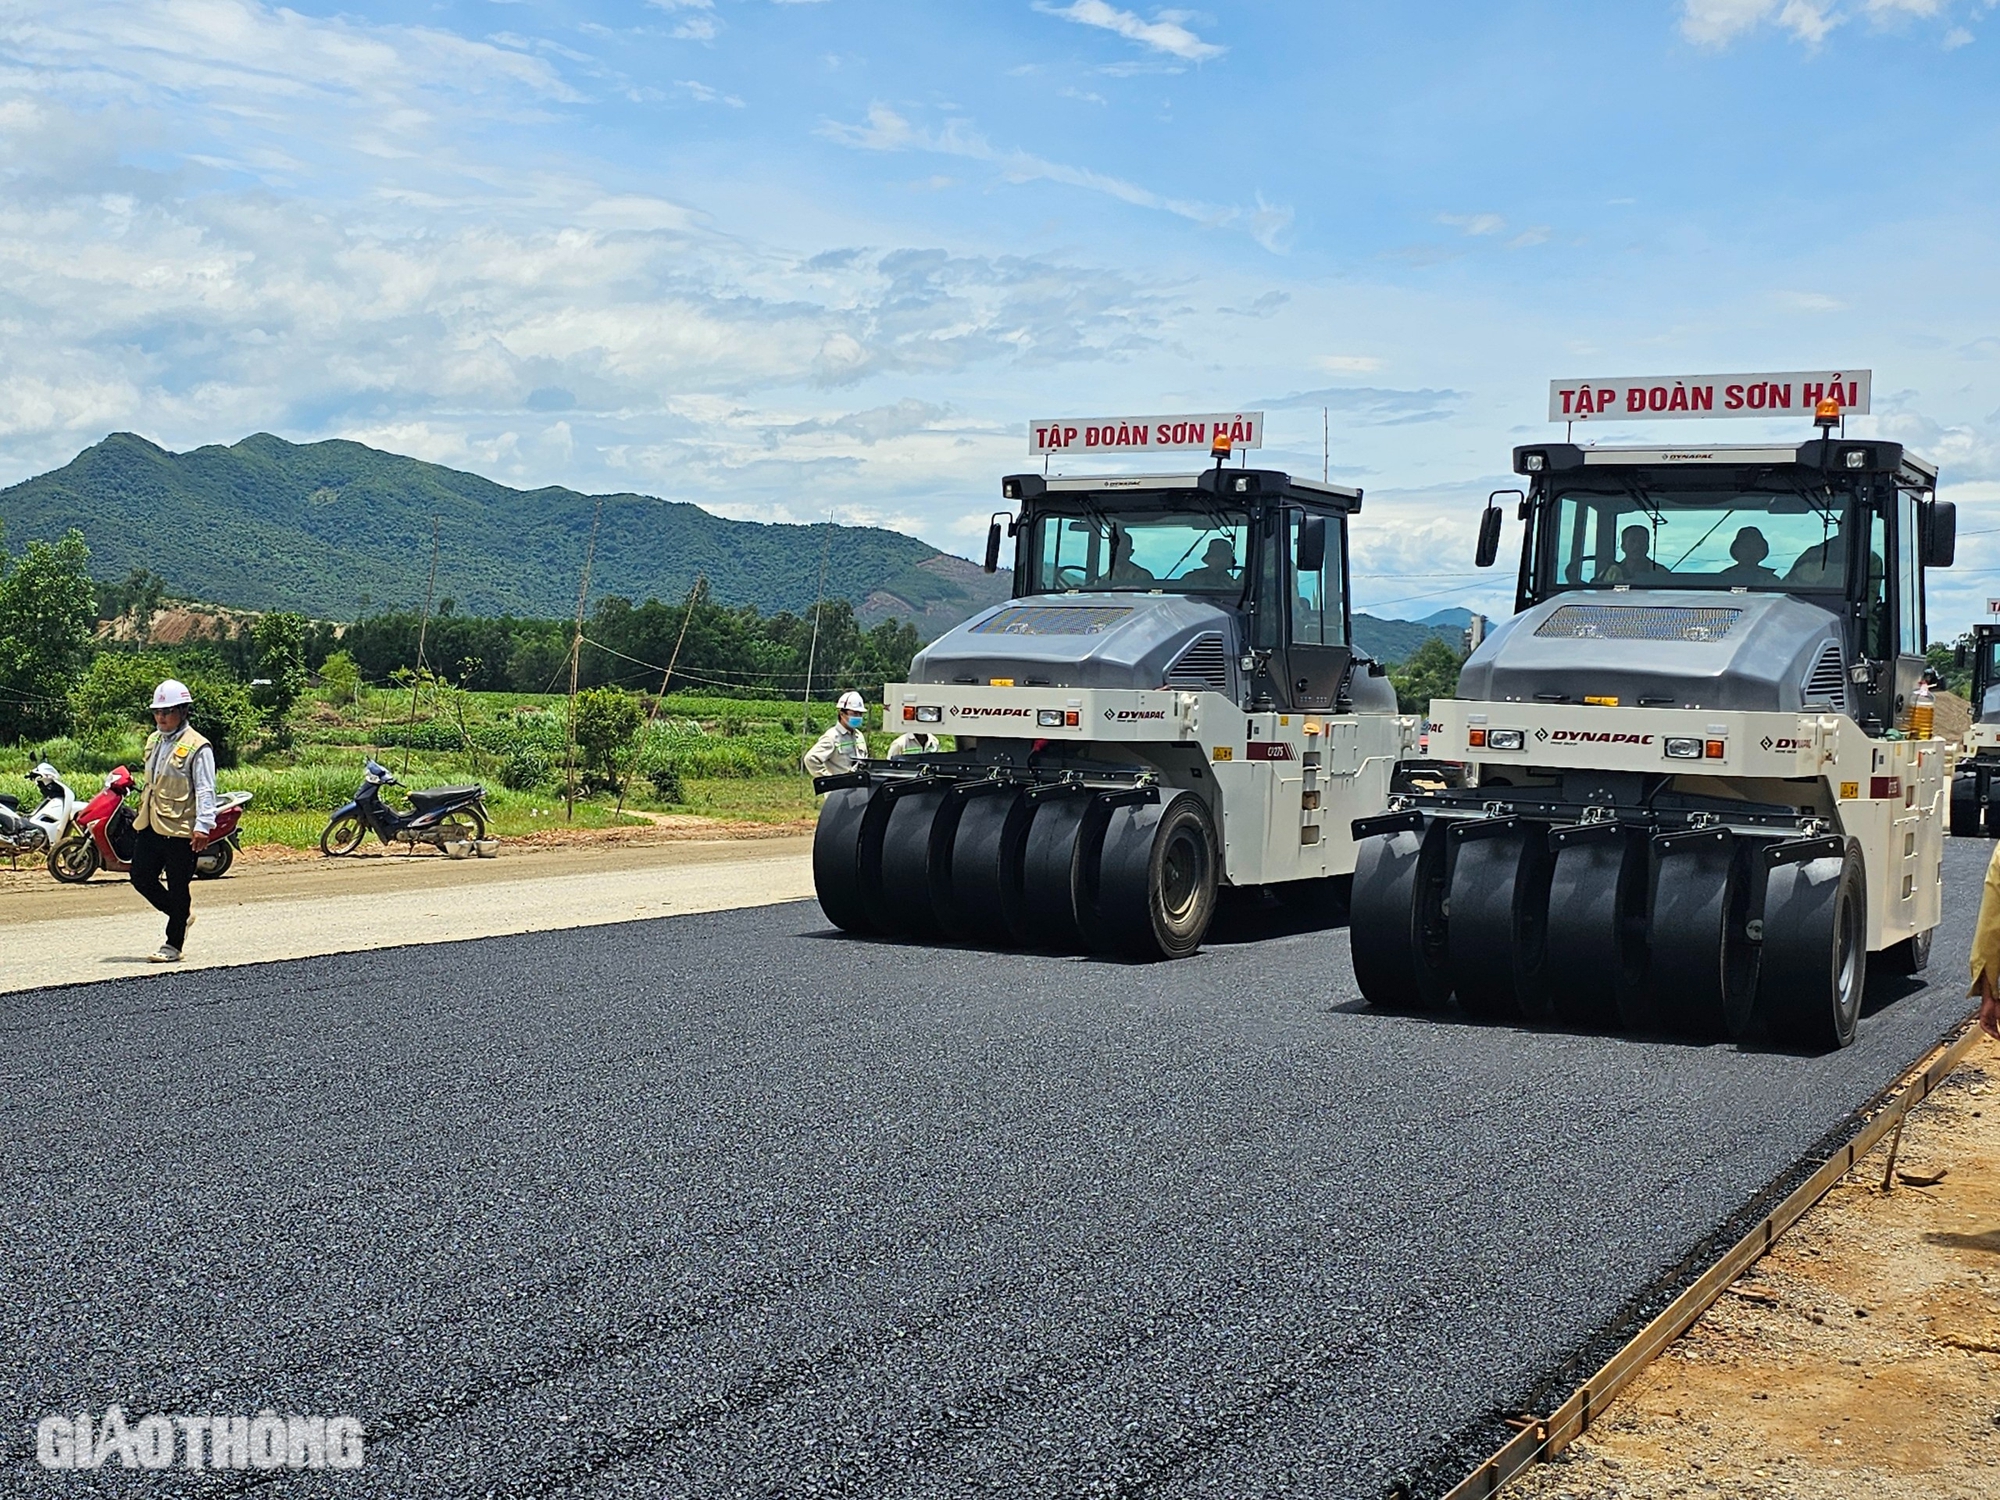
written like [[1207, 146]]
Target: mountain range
[[333, 529], [337, 529]]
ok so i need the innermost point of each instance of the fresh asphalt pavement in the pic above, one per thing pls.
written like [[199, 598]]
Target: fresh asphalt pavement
[[729, 1205]]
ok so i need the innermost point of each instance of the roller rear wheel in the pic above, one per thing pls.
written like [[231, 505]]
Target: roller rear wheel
[[1703, 963], [1497, 927], [986, 904], [847, 857], [1911, 956], [1395, 920], [1597, 923], [1968, 819], [1156, 879], [1815, 963]]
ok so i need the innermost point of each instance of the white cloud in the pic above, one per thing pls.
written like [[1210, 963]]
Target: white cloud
[[1474, 224], [1346, 364], [706, 95], [886, 130], [1716, 23], [1164, 33]]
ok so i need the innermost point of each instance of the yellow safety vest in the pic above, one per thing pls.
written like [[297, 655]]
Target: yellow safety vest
[[166, 804]]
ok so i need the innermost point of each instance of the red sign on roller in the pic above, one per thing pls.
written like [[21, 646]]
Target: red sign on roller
[[1789, 393]]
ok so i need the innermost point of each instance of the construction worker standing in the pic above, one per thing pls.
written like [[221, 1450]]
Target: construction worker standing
[[1986, 951], [844, 746], [176, 814], [912, 742]]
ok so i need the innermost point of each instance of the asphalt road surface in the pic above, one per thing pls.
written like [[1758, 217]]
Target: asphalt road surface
[[726, 1205]]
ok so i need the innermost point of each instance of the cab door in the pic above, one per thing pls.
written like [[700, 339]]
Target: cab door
[[1317, 652]]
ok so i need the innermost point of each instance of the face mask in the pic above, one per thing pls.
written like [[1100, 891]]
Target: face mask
[[854, 721]]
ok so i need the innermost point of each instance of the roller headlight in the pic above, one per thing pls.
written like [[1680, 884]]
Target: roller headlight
[[1049, 718], [929, 714], [1683, 747], [1505, 739]]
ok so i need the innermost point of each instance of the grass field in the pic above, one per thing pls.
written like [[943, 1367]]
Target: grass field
[[735, 759]]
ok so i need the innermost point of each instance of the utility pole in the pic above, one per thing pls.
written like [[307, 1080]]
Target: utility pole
[[423, 630], [575, 655]]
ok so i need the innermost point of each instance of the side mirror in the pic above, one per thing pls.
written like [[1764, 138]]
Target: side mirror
[[1489, 537], [1958, 657], [993, 543], [1312, 544], [1939, 526]]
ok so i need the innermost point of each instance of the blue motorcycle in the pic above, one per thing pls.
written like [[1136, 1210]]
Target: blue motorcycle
[[452, 818]]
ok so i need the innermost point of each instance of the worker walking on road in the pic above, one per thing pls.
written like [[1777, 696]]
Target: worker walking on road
[[176, 813], [844, 746]]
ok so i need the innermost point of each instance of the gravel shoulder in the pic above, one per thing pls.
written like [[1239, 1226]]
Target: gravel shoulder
[[1860, 1359]]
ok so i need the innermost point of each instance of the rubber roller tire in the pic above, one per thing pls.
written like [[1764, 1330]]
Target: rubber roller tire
[[1815, 962], [1395, 920], [986, 905], [1052, 872], [913, 866], [847, 857], [1497, 924], [1703, 962], [1157, 872], [1911, 956], [1596, 934], [1968, 819]]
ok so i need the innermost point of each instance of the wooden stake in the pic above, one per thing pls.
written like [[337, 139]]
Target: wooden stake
[[423, 629], [575, 654]]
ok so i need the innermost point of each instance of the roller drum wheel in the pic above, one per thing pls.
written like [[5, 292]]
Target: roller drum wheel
[[1704, 964], [847, 857], [1911, 956], [1497, 924], [1597, 933], [1968, 815], [912, 867], [1395, 920], [1052, 872], [1815, 962], [1157, 873], [986, 902]]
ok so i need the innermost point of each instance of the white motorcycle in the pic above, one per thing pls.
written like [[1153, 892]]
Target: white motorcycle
[[34, 833]]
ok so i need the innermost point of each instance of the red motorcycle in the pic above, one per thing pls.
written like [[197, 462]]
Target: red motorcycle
[[105, 835]]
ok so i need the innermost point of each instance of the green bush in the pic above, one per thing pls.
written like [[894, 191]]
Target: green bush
[[115, 695], [607, 721], [666, 779], [525, 769], [293, 789]]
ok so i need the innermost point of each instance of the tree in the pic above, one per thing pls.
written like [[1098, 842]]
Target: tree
[[48, 617], [340, 678], [280, 643], [607, 720], [112, 698], [1430, 672]]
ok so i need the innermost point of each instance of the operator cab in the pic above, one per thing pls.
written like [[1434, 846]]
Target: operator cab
[[1737, 538], [1258, 557], [1982, 654]]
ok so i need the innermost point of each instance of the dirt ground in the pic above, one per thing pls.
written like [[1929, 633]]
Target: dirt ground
[[1859, 1360]]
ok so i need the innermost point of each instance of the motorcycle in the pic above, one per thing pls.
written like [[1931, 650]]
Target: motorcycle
[[31, 833], [451, 818], [105, 835]]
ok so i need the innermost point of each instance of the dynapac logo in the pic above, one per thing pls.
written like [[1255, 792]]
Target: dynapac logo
[[1595, 737], [1132, 715], [1771, 744], [974, 711]]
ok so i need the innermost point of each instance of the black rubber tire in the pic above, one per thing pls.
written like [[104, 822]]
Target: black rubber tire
[[74, 860], [1967, 820], [471, 813], [847, 857], [1911, 956], [343, 835], [1157, 874], [1815, 962], [1597, 933], [905, 901], [1703, 963], [1497, 923], [986, 869], [1395, 920], [1053, 872], [213, 862]]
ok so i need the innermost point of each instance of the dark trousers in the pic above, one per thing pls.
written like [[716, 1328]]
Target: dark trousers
[[154, 856]]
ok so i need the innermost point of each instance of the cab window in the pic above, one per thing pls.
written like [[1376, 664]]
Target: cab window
[[1317, 616], [1909, 575]]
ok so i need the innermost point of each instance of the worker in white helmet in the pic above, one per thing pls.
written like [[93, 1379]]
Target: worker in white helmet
[[844, 746], [176, 814]]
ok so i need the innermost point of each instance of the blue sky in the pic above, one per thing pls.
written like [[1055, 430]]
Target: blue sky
[[830, 256]]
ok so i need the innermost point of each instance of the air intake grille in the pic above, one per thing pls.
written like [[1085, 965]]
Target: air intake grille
[[1202, 667], [1828, 678], [1051, 619], [1640, 622]]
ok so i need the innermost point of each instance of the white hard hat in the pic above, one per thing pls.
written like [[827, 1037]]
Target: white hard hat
[[850, 703], [172, 694]]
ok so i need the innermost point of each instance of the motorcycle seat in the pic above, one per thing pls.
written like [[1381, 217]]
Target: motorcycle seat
[[439, 796], [9, 801]]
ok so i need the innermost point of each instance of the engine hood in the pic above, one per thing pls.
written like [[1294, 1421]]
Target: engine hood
[[1091, 641], [1661, 648]]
